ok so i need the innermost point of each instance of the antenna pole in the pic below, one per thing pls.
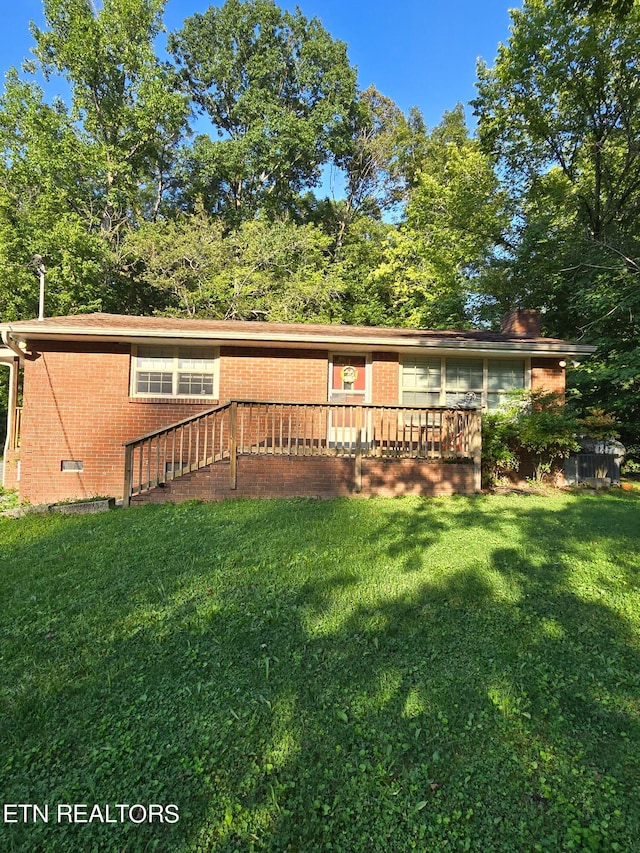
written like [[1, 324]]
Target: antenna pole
[[40, 267]]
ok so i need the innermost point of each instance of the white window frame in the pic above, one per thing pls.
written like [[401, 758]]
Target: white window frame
[[366, 397], [483, 402], [415, 389], [176, 349]]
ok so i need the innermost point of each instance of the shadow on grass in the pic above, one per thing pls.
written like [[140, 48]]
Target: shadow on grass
[[456, 676]]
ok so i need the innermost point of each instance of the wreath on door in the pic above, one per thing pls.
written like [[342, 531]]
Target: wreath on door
[[349, 374]]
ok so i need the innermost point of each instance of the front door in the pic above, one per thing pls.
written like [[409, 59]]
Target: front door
[[348, 383]]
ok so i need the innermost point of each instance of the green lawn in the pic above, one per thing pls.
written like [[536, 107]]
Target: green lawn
[[364, 675]]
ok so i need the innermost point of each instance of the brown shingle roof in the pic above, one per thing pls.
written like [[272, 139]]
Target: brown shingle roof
[[117, 324]]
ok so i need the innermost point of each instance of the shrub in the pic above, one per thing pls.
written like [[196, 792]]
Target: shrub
[[498, 447], [534, 421], [547, 429]]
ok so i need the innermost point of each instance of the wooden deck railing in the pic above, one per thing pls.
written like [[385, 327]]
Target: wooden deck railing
[[299, 429], [176, 450]]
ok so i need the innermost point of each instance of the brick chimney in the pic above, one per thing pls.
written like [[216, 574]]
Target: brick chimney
[[521, 323]]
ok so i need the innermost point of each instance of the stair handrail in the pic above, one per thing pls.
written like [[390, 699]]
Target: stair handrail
[[175, 425], [138, 442]]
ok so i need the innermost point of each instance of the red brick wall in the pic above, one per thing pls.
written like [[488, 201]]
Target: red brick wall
[[385, 370], [286, 375], [10, 477], [77, 406], [547, 375], [319, 477]]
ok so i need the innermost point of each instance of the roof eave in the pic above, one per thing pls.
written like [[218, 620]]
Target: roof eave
[[314, 341]]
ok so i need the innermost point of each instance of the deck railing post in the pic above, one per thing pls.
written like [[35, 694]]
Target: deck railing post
[[358, 460], [233, 445], [126, 491], [475, 446]]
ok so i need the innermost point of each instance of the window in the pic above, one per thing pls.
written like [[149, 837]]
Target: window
[[456, 381], [464, 381], [421, 381], [504, 375], [160, 371], [348, 378]]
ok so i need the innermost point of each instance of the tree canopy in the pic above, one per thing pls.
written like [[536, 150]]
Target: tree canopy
[[278, 90], [560, 110], [134, 212]]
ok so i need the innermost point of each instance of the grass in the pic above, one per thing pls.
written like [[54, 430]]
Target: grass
[[456, 674], [8, 499]]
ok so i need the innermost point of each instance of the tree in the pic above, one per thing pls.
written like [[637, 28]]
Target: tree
[[45, 193], [454, 219], [561, 110], [128, 107], [367, 160], [181, 260], [74, 179], [564, 92], [368, 298], [261, 271], [620, 8], [278, 90]]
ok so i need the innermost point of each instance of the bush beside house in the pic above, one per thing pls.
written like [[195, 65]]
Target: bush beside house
[[534, 427]]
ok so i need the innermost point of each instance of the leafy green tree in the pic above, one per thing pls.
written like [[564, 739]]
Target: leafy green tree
[[561, 109], [620, 8], [278, 91], [410, 148], [599, 424], [284, 268], [368, 298], [564, 92], [74, 179], [455, 217], [368, 160], [181, 261], [262, 270], [128, 107], [45, 196]]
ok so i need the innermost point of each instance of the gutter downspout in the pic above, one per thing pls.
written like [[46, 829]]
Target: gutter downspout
[[13, 366], [11, 410]]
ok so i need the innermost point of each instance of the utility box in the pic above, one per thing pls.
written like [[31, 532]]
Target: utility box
[[599, 460]]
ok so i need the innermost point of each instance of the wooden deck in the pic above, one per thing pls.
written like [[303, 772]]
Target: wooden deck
[[258, 428]]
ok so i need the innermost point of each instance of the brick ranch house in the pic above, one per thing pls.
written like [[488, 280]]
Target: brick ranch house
[[154, 408]]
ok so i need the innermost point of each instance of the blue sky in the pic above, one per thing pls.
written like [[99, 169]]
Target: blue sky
[[418, 52]]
